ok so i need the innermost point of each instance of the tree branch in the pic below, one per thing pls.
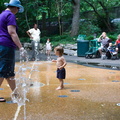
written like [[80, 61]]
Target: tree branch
[[74, 2]]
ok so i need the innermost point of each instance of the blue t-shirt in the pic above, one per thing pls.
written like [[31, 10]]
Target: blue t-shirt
[[6, 18]]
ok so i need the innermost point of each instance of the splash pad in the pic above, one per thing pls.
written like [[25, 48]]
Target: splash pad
[[86, 96]]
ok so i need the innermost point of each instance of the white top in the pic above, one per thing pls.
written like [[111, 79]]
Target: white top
[[35, 34], [48, 46]]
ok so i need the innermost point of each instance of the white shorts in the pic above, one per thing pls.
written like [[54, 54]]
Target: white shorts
[[100, 48]]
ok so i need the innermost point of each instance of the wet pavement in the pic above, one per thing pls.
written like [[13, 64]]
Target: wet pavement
[[91, 92]]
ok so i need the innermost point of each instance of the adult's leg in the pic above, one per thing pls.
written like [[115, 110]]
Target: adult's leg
[[11, 82], [1, 80], [100, 51], [1, 98], [33, 49]]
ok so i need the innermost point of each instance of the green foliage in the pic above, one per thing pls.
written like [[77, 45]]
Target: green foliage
[[25, 39], [113, 37], [101, 11], [117, 28], [57, 40], [35, 8], [88, 28], [91, 37]]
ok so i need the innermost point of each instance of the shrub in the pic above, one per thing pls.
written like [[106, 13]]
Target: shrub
[[113, 37], [25, 39]]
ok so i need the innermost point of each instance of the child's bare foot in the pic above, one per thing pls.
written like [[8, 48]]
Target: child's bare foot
[[59, 88]]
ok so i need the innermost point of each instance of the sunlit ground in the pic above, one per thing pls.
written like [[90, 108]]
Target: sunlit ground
[[89, 94]]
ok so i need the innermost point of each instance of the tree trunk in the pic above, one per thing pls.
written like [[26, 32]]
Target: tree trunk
[[59, 10], [26, 17], [49, 12], [76, 17], [107, 21], [43, 20]]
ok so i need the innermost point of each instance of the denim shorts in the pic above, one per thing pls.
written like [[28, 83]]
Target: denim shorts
[[7, 62], [61, 73]]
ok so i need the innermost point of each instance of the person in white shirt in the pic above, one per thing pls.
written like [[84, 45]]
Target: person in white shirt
[[34, 35]]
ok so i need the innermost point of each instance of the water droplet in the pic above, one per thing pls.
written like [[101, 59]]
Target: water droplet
[[118, 104]]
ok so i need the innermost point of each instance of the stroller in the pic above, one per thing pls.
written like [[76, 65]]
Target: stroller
[[93, 50], [112, 52], [109, 53]]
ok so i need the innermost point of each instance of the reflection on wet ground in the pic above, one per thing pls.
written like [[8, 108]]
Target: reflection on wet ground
[[98, 65], [90, 93]]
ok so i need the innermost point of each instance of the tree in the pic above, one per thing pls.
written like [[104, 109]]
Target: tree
[[76, 17], [2, 6], [102, 9], [62, 6]]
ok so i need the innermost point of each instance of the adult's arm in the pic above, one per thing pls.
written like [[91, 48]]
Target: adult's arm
[[14, 36], [29, 34], [99, 39]]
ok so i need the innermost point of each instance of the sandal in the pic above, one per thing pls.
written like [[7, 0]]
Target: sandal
[[2, 99]]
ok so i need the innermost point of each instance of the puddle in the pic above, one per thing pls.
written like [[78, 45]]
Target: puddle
[[9, 102], [81, 79], [98, 65], [62, 96], [115, 81], [75, 91]]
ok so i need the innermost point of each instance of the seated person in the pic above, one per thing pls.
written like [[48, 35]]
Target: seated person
[[110, 47], [117, 43], [104, 42]]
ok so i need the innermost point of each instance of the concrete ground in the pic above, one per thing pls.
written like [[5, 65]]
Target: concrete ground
[[91, 92]]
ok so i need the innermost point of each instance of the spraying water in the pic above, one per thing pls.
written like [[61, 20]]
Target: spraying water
[[22, 83]]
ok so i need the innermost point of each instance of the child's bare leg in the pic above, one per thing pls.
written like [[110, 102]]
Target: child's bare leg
[[49, 53], [61, 84]]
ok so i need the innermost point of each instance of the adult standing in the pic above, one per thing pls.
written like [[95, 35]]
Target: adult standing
[[9, 40], [34, 35], [117, 43], [104, 39]]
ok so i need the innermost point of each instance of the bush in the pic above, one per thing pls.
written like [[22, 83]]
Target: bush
[[90, 37], [113, 37], [25, 39], [57, 39]]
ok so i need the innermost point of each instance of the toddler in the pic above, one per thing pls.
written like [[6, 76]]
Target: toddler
[[48, 49], [60, 63]]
